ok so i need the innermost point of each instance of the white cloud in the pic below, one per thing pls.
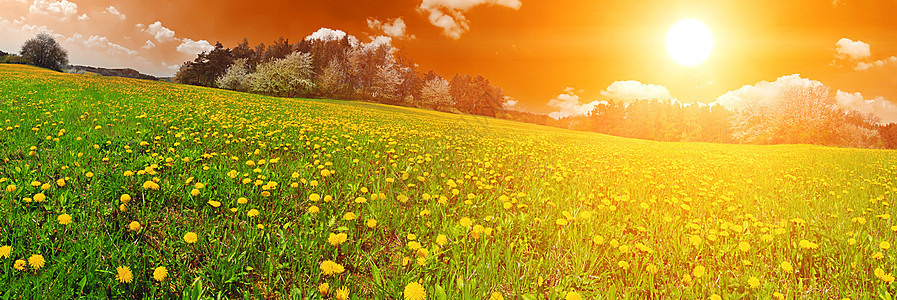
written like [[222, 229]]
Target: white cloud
[[326, 34], [848, 49], [878, 106], [395, 28], [61, 9], [449, 14], [568, 105], [862, 66], [149, 45], [192, 47], [101, 43], [631, 90], [113, 11], [159, 32], [83, 17], [763, 93]]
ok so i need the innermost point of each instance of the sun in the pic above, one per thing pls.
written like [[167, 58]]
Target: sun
[[689, 42]]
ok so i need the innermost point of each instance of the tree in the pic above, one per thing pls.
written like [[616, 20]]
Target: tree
[[289, 76], [206, 68], [436, 94], [333, 81], [235, 77], [43, 51]]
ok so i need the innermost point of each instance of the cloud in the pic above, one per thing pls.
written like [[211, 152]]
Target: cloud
[[863, 66], [113, 11], [159, 32], [395, 28], [449, 14], [100, 43], [83, 17], [848, 49], [327, 34], [631, 90], [61, 9], [878, 106], [149, 45], [568, 105], [763, 93], [192, 47]]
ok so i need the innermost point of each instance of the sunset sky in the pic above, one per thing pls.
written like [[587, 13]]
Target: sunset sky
[[550, 56]]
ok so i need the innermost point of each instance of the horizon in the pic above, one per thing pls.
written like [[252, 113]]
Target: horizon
[[560, 59]]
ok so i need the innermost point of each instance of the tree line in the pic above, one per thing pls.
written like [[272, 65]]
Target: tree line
[[339, 68]]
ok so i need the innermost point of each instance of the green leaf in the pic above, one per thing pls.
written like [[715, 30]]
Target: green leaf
[[440, 292]]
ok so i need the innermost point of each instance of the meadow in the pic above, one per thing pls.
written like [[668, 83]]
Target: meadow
[[122, 188]]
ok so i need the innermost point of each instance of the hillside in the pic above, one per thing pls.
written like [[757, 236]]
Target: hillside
[[106, 181]]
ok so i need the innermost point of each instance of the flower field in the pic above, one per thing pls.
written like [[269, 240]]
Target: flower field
[[120, 188]]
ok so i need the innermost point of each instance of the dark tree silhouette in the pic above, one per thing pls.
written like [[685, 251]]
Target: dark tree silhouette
[[43, 51]]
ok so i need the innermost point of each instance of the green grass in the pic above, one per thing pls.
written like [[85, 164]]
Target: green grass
[[551, 211]]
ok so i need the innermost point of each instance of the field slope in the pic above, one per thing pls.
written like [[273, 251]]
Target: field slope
[[122, 188]]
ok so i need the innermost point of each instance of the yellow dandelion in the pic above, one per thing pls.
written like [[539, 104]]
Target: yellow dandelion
[[884, 245], [36, 261], [466, 222], [313, 209], [19, 264], [441, 240], [160, 273], [214, 203], [134, 226], [414, 291], [699, 271], [242, 200], [342, 293], [371, 223], [336, 239], [125, 198], [497, 296], [754, 282], [572, 295], [349, 216], [786, 266], [150, 185], [715, 297], [329, 267], [190, 237], [39, 197], [252, 213], [5, 251], [124, 274], [64, 219], [324, 288], [623, 265]]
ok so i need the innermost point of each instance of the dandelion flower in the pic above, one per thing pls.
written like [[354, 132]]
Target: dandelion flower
[[744, 246], [64, 219], [313, 209], [160, 273], [786, 266], [39, 197], [124, 274], [125, 198], [134, 226], [328, 267], [5, 251], [36, 261], [252, 213], [496, 296], [884, 245], [60, 182], [190, 238], [623, 265], [336, 239], [10, 188], [699, 271], [715, 297], [214, 203], [242, 200], [466, 222], [342, 293], [371, 223], [324, 288], [415, 291], [19, 264], [572, 295], [150, 185], [808, 245], [652, 268], [349, 216], [441, 240], [754, 282]]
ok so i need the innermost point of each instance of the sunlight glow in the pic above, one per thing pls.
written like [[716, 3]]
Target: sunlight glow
[[689, 42]]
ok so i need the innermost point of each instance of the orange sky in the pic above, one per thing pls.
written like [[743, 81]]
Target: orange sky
[[534, 50]]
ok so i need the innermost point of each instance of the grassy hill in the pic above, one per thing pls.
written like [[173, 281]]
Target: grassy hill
[[106, 181]]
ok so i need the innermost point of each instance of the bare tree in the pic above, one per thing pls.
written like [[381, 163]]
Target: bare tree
[[43, 51], [334, 79]]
